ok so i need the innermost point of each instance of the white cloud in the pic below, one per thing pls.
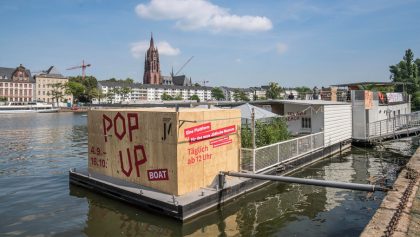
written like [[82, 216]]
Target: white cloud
[[281, 48], [139, 48], [201, 14]]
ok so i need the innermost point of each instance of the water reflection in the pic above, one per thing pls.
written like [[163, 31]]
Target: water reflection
[[277, 209]]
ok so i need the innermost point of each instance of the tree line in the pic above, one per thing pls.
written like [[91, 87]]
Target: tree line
[[407, 74]]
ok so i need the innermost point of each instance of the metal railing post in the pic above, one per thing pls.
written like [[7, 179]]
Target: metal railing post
[[380, 128], [253, 160], [297, 146], [278, 153]]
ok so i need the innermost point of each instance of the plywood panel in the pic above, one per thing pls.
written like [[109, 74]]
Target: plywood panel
[[217, 151], [134, 146], [154, 147]]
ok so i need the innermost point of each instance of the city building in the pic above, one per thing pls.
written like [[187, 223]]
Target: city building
[[17, 84], [50, 85], [148, 92]]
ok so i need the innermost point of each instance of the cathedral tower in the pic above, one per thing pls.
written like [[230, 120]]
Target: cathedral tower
[[152, 65]]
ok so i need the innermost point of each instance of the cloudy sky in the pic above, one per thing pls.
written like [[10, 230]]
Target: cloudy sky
[[234, 43]]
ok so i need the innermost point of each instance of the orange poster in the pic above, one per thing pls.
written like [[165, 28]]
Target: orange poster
[[368, 99]]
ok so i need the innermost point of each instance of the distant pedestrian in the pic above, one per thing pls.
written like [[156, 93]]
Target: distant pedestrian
[[291, 96]]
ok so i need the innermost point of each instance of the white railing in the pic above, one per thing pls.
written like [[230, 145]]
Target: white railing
[[266, 157], [389, 126]]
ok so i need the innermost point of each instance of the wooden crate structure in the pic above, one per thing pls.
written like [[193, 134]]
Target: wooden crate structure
[[174, 152]]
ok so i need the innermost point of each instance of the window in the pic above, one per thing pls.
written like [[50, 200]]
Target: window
[[306, 122]]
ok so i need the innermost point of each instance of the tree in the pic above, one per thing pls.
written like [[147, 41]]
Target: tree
[[110, 96], [165, 96], [75, 88], [266, 133], [125, 91], [407, 72], [273, 91], [3, 99], [129, 80], [98, 94], [217, 93], [195, 97], [303, 90], [116, 91], [240, 95], [178, 97], [89, 84], [57, 91]]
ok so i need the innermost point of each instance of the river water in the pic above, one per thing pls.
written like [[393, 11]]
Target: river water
[[37, 150]]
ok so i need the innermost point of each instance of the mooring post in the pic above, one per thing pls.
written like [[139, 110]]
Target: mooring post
[[221, 180]]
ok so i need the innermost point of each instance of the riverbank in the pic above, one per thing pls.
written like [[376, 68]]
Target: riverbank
[[399, 212]]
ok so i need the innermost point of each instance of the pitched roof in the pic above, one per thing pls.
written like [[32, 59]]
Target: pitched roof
[[246, 111], [6, 74], [52, 72]]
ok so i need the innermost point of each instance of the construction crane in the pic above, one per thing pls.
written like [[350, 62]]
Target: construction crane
[[83, 67], [185, 64]]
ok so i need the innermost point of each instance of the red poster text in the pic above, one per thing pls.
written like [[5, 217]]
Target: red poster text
[[212, 134], [197, 129]]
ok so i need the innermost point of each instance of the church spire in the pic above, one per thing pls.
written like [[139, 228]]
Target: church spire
[[152, 44]]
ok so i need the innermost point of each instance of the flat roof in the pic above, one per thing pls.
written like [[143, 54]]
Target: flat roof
[[386, 83], [312, 102]]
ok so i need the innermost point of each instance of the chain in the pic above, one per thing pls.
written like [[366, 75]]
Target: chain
[[412, 175]]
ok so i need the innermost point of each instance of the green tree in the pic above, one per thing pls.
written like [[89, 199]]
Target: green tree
[[165, 96], [89, 84], [116, 91], [3, 99], [125, 91], [303, 90], [75, 88], [217, 93], [110, 96], [267, 133], [178, 97], [129, 80], [57, 92], [239, 95], [407, 72], [98, 94], [273, 91], [195, 97]]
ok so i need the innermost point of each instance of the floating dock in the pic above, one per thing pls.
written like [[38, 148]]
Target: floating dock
[[186, 206]]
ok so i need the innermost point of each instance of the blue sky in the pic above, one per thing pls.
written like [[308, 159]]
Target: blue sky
[[234, 43]]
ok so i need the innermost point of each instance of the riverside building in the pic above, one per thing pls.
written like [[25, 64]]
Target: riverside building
[[16, 84], [48, 83]]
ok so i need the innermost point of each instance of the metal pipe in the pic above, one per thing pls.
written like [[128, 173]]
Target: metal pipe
[[324, 183]]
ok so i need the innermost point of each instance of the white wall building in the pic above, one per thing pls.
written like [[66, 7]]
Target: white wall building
[[379, 109], [148, 92], [314, 116]]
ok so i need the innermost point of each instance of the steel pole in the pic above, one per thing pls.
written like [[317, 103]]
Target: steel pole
[[324, 183]]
